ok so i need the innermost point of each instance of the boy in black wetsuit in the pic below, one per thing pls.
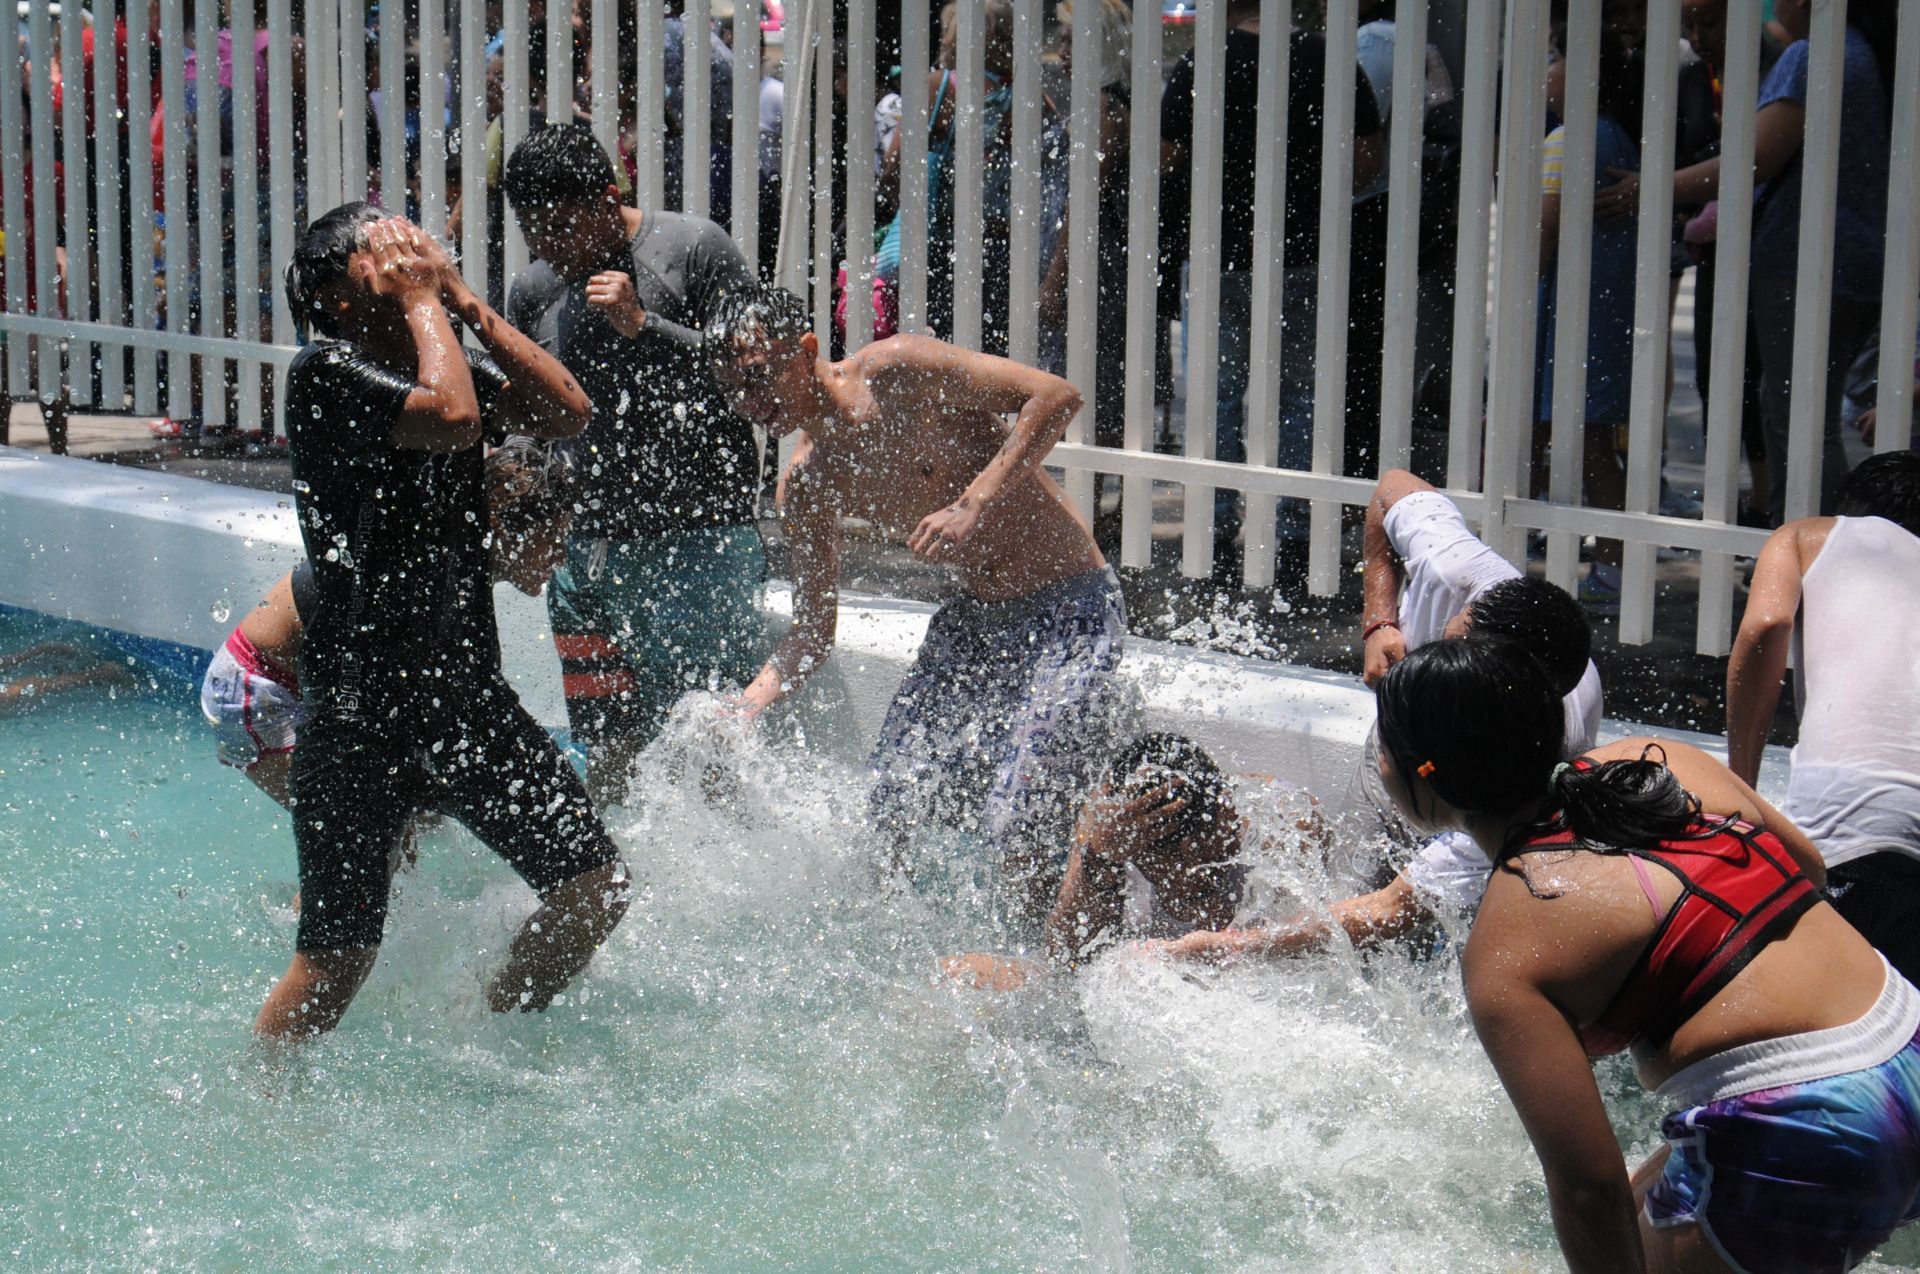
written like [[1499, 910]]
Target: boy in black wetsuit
[[659, 593], [407, 707]]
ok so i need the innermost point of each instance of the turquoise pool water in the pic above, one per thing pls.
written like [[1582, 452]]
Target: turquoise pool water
[[759, 1072]]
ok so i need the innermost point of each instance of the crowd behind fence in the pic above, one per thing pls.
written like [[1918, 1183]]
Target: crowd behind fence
[[1329, 245]]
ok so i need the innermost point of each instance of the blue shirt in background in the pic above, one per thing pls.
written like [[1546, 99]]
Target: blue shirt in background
[[1610, 288], [1860, 212]]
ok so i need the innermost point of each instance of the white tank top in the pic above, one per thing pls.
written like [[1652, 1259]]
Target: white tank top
[[1855, 786]]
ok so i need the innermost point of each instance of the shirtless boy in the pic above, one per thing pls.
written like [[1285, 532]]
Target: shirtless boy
[[1008, 709]]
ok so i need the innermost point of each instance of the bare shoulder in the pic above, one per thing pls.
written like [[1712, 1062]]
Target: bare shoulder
[[1719, 790], [1809, 536]]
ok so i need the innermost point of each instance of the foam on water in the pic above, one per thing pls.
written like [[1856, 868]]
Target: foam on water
[[759, 1070]]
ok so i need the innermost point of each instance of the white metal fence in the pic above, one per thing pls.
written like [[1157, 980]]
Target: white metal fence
[[173, 240]]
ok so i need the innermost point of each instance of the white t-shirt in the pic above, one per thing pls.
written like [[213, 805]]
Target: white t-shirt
[[1855, 784], [1445, 566]]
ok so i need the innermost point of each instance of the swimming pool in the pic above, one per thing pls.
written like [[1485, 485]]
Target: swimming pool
[[760, 1070]]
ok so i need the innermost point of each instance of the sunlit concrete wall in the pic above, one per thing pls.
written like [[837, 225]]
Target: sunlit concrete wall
[[181, 560]]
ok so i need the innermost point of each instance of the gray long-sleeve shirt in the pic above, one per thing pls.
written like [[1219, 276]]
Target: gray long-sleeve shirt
[[664, 450]]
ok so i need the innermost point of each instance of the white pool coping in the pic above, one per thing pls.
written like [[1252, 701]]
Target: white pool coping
[[181, 559]]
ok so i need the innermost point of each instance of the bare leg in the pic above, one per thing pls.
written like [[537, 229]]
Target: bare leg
[[1606, 484], [1674, 1249], [557, 940], [269, 774], [54, 416], [313, 993], [610, 769]]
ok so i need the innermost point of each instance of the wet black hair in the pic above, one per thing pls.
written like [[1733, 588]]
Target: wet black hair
[[560, 164], [1152, 759], [1479, 719], [1622, 85], [1884, 486], [543, 477], [321, 257], [750, 317], [1545, 619]]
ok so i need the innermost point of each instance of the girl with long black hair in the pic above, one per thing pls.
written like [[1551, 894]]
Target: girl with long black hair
[[1645, 898]]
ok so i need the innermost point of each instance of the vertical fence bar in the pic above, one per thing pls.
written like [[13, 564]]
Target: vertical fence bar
[[559, 103], [1143, 282], [518, 88], [606, 75], [433, 117], [1023, 255], [246, 212], [1464, 421], [1898, 311], [46, 197], [473, 148], [1266, 345], [650, 101], [746, 136], [324, 188], [13, 194], [822, 52], [1510, 405], [1652, 343], [860, 99], [179, 228], [793, 252], [1083, 234], [696, 121], [106, 200], [211, 222], [73, 126], [146, 370], [1336, 250], [969, 192], [915, 71], [280, 180], [1406, 129], [1813, 287], [1200, 324], [393, 106], [1573, 286], [1726, 391], [353, 99]]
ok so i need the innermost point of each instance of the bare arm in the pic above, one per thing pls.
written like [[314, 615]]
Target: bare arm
[[1549, 230], [930, 376], [1381, 578], [814, 532], [542, 398], [1088, 908], [1536, 1053], [441, 412], [1368, 921], [1759, 658], [1779, 130]]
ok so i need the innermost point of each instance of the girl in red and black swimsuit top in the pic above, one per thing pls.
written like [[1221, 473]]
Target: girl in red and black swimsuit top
[[1742, 983], [1739, 891]]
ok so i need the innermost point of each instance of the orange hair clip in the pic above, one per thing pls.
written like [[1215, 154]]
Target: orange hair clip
[[1426, 769]]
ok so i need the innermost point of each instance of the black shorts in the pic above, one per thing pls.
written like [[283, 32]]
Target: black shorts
[[1879, 895], [480, 759]]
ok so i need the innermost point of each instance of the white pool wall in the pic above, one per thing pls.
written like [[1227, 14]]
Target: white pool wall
[[182, 560]]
